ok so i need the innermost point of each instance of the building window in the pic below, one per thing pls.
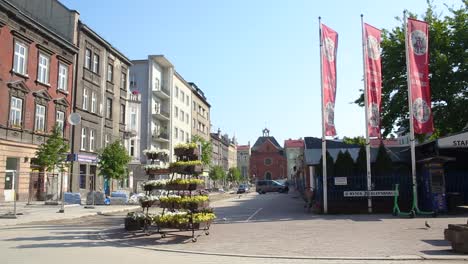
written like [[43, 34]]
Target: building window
[[122, 113], [176, 133], [96, 63], [82, 176], [176, 112], [268, 161], [106, 140], [83, 138], [16, 110], [123, 81], [110, 72], [187, 100], [39, 124], [194, 123], [88, 59], [133, 118], [85, 99], [187, 137], [63, 77], [187, 118], [156, 84], [182, 96], [182, 115], [176, 92], [91, 140], [194, 106], [268, 176], [60, 121], [43, 69], [132, 147], [93, 102], [182, 135], [20, 60], [109, 108]]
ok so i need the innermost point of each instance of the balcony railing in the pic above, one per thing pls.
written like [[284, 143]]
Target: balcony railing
[[161, 92]]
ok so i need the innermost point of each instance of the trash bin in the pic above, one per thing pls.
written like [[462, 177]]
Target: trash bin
[[454, 199]]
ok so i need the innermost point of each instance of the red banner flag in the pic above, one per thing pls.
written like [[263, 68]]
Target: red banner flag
[[329, 43], [417, 48], [373, 73]]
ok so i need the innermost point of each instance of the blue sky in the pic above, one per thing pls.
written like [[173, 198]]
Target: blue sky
[[256, 60]]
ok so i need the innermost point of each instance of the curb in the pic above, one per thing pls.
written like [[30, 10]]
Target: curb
[[32, 222], [207, 253]]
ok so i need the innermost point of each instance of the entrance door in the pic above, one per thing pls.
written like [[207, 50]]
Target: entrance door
[[10, 179], [9, 191]]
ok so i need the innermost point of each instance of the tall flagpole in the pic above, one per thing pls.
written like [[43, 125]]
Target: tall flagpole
[[324, 142], [366, 103], [410, 105]]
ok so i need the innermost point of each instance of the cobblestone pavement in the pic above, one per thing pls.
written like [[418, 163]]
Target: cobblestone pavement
[[269, 225], [275, 224]]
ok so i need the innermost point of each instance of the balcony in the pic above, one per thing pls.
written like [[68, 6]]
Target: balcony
[[161, 93], [161, 115], [160, 137]]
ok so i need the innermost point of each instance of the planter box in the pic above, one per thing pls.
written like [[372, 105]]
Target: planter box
[[458, 236], [157, 171], [201, 225], [148, 203], [196, 206], [191, 153], [133, 225], [157, 156], [194, 186], [193, 169], [150, 188], [177, 187]]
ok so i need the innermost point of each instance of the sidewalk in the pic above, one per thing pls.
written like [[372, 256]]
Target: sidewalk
[[39, 212]]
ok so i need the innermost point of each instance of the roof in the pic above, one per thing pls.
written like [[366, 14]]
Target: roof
[[316, 143], [243, 147], [387, 142], [262, 140], [294, 143]]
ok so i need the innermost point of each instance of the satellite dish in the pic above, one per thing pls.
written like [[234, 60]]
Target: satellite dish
[[74, 119]]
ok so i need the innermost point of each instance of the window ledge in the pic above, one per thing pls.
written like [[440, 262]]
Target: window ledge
[[26, 76], [17, 128], [43, 84], [62, 91]]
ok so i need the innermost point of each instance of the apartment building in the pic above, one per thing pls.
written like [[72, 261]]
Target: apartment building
[[36, 82], [201, 124], [181, 111]]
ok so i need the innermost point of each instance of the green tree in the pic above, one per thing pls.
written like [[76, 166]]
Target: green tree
[[217, 173], [330, 166], [113, 161], [234, 175], [355, 140], [344, 165], [361, 160], [383, 163], [207, 149], [448, 67], [53, 153]]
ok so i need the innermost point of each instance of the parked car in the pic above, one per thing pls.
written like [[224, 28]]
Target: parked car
[[243, 188], [264, 186]]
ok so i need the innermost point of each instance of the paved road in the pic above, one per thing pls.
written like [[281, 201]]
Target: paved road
[[272, 224]]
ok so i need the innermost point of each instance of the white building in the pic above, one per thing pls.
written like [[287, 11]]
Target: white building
[[132, 135], [181, 101]]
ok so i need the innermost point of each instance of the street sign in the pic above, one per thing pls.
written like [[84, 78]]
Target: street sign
[[368, 193], [341, 181]]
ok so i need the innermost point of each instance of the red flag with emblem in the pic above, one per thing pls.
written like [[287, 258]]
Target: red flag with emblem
[[417, 48], [329, 43]]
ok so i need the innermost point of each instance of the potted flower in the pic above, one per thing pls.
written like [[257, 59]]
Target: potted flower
[[202, 220], [154, 185], [148, 200], [156, 169], [135, 221], [196, 184], [178, 184], [186, 167], [186, 149], [157, 154]]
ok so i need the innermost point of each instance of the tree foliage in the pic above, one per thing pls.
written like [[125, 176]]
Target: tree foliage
[[217, 173], [383, 163], [330, 166], [355, 140], [234, 175], [448, 72], [361, 161], [53, 153], [113, 161], [207, 149]]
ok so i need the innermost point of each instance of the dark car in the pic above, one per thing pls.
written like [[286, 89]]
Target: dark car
[[243, 188], [264, 186]]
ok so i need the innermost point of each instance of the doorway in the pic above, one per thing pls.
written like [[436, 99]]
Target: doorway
[[11, 179]]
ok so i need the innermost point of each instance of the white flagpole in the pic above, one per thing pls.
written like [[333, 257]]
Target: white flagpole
[[366, 103], [410, 105], [324, 142]]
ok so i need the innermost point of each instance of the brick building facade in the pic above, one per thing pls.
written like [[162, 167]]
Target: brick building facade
[[267, 160]]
